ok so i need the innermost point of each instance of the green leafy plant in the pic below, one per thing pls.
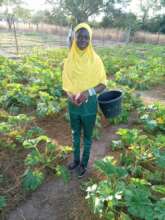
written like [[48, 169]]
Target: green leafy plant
[[63, 172], [31, 180], [159, 210], [97, 129], [153, 117], [142, 75], [46, 156], [117, 144], [128, 136], [138, 202], [107, 167], [2, 202]]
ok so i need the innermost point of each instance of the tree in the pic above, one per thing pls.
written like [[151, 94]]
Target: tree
[[126, 21], [119, 19], [57, 17], [115, 5], [156, 24], [81, 10], [38, 17], [162, 25], [1, 2], [22, 13], [148, 9], [163, 2], [9, 6], [49, 18], [13, 9]]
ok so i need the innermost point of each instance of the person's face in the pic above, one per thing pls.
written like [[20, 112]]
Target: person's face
[[82, 38]]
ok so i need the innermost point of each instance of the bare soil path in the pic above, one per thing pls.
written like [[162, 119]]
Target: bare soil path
[[154, 95]]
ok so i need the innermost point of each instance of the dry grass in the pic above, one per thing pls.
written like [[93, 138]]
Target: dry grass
[[110, 34], [146, 37]]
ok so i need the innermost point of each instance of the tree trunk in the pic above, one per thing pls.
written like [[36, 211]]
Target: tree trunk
[[128, 35], [9, 22], [15, 37]]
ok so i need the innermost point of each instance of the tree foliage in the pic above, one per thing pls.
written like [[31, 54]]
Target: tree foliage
[[10, 6], [22, 13], [66, 12], [81, 10]]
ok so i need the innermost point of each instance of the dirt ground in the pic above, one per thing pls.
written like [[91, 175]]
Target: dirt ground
[[55, 200], [153, 95]]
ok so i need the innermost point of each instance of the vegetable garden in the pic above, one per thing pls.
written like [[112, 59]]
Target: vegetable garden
[[130, 186]]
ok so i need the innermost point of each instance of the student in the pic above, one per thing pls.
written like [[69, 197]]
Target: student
[[83, 77]]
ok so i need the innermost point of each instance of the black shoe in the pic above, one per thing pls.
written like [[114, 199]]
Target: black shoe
[[81, 171], [73, 165]]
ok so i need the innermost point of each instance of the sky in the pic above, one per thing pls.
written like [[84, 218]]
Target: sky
[[36, 5]]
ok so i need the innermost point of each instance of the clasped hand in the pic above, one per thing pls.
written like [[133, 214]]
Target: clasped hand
[[79, 98]]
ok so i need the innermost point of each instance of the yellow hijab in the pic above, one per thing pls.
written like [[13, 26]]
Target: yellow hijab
[[83, 69]]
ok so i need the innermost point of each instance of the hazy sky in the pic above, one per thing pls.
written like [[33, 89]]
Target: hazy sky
[[35, 4]]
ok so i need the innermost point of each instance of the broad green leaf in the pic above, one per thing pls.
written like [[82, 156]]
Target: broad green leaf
[[138, 202], [159, 210], [30, 143], [33, 158], [32, 179], [2, 202], [106, 167], [63, 172]]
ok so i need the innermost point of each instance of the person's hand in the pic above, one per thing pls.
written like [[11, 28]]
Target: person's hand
[[74, 98], [81, 97], [71, 97]]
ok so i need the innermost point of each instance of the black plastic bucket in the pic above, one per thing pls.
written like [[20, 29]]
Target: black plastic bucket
[[110, 103]]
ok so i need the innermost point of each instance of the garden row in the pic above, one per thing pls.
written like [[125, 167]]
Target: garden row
[[133, 187], [31, 88]]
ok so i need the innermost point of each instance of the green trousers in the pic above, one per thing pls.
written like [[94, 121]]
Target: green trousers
[[82, 118]]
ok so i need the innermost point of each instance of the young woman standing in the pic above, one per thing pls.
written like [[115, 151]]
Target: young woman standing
[[83, 77]]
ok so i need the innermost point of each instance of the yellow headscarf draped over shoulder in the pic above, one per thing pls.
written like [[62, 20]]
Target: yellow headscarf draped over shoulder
[[83, 69]]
